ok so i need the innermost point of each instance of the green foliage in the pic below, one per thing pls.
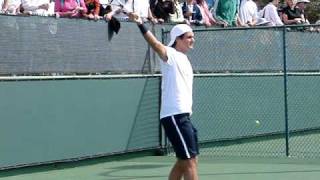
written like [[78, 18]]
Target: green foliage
[[313, 11]]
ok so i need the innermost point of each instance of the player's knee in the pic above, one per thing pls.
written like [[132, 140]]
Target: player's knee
[[188, 163]]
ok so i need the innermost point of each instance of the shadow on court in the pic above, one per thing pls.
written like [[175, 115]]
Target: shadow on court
[[116, 170], [78, 164], [258, 172], [158, 168]]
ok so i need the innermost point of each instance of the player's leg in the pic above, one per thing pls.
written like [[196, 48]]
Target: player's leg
[[184, 168], [176, 172], [190, 169], [183, 137]]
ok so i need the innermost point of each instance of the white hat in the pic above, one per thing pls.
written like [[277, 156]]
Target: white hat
[[178, 30], [303, 1]]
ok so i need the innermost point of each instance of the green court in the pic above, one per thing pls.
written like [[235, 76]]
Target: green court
[[215, 162], [158, 167]]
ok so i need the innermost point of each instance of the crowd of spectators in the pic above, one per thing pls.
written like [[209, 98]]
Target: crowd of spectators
[[222, 13]]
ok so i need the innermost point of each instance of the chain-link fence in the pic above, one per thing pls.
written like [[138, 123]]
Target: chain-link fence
[[255, 90]]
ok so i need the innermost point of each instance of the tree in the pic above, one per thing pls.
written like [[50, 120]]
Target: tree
[[313, 11]]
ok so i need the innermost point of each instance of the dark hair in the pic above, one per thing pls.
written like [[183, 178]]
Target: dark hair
[[162, 9], [175, 43]]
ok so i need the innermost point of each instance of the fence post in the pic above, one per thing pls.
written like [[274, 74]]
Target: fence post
[[163, 140], [285, 89]]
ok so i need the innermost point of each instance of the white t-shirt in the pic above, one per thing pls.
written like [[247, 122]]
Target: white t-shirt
[[270, 13], [248, 11], [142, 7], [32, 6], [127, 6], [176, 87], [1, 4]]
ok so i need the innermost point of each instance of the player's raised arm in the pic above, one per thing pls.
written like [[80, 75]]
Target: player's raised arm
[[156, 45]]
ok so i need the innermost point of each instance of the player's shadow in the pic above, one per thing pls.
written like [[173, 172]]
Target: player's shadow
[[262, 172], [111, 173]]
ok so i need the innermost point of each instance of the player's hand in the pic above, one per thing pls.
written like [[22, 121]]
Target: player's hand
[[135, 17], [108, 16]]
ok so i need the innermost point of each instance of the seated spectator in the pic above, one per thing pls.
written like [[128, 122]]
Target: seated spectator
[[207, 17], [38, 7], [291, 14], [3, 6], [248, 13], [70, 8], [141, 7], [119, 9], [105, 7], [161, 9], [177, 16], [318, 27], [270, 13], [191, 12], [93, 9], [226, 12], [152, 18], [13, 7], [301, 5], [210, 3]]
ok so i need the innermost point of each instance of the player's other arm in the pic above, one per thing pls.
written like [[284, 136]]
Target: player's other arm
[[156, 45]]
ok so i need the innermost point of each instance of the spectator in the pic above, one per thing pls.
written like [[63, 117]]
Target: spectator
[[177, 16], [191, 12], [161, 9], [93, 9], [248, 13], [152, 18], [141, 7], [13, 7], [270, 13], [3, 6], [291, 14], [119, 9], [38, 7], [70, 8], [207, 17], [301, 5], [226, 12], [105, 7], [318, 27], [210, 3]]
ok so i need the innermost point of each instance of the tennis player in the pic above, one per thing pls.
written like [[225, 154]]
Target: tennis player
[[176, 100]]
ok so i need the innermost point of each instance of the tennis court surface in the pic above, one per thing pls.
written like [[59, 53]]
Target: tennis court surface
[[157, 167]]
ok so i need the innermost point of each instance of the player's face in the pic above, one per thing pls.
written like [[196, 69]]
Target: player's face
[[186, 42]]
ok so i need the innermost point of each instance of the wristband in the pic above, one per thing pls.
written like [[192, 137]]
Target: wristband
[[142, 28]]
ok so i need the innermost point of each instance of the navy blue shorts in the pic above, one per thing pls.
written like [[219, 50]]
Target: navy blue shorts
[[182, 135]]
